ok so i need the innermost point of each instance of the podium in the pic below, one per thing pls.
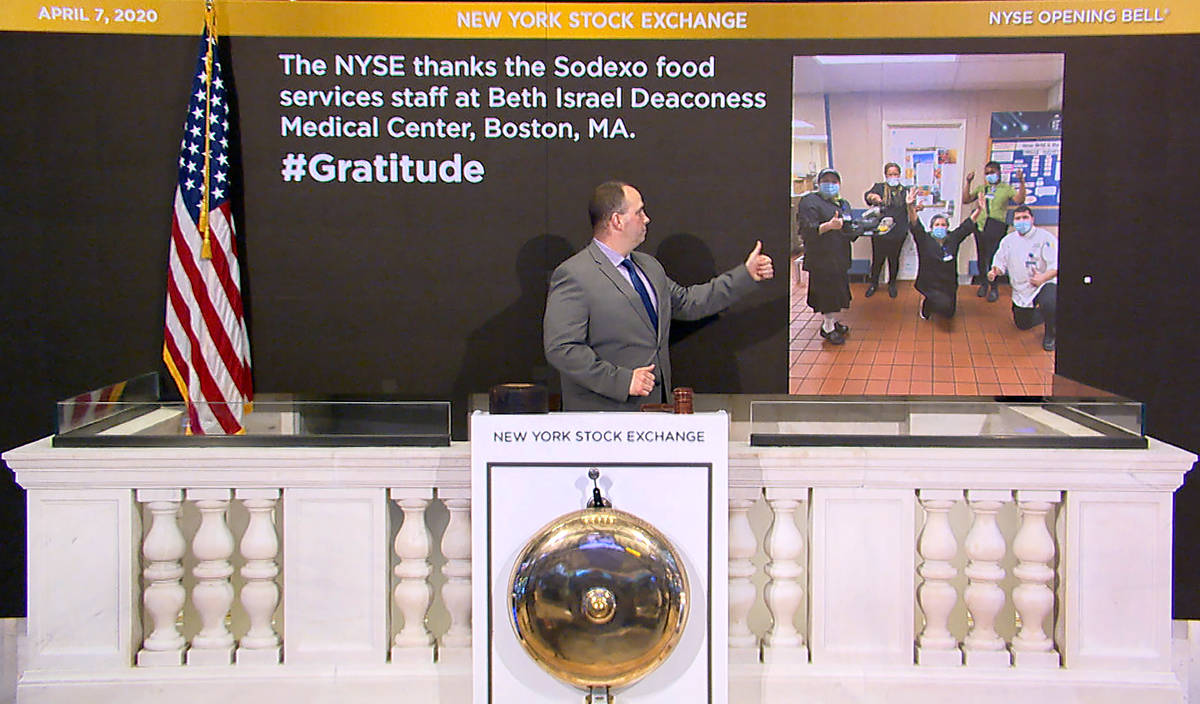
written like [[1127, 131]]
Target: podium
[[669, 470]]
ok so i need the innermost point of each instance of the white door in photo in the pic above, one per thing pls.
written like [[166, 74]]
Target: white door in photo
[[930, 159]]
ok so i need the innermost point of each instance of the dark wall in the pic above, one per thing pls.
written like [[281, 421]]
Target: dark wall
[[1130, 139], [87, 133], [437, 291]]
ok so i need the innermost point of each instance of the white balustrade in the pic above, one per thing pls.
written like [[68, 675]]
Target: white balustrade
[[213, 594], [1033, 597], [985, 548], [743, 643], [412, 593], [862, 576], [456, 592], [107, 617], [260, 594], [336, 559], [785, 592], [937, 596], [163, 595]]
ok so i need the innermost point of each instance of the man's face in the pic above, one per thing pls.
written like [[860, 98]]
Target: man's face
[[891, 172], [1023, 217], [632, 220], [990, 170]]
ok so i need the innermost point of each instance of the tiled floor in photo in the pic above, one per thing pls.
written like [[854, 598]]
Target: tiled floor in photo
[[890, 350]]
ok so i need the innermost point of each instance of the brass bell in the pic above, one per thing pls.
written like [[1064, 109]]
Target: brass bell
[[598, 597]]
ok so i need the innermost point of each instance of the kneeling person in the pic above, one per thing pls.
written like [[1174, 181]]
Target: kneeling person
[[1029, 255], [937, 260]]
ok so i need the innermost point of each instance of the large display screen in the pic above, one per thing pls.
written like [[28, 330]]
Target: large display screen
[[935, 121]]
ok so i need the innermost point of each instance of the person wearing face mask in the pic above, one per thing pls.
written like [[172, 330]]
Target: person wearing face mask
[[889, 195], [1029, 255], [819, 215], [996, 195], [937, 259]]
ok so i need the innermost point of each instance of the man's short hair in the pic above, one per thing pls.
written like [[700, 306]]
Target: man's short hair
[[608, 198], [937, 217], [1022, 209], [992, 165], [889, 165]]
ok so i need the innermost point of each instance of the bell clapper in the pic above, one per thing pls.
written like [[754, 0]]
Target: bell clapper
[[598, 695]]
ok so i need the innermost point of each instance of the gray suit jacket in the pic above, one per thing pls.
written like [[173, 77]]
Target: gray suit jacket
[[596, 330]]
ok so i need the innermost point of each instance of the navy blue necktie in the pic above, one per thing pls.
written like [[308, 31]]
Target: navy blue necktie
[[641, 290]]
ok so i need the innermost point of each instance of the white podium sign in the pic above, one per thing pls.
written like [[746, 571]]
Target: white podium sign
[[669, 470]]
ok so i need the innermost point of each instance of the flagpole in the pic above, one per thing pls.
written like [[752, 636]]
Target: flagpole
[[210, 26]]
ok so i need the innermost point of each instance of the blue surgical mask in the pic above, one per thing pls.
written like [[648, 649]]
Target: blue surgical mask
[[829, 189], [939, 232], [893, 182], [993, 178], [1023, 226]]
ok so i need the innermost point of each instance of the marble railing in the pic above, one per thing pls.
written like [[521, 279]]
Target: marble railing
[[343, 574]]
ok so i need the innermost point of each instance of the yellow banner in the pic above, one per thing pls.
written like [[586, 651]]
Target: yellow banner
[[527, 20]]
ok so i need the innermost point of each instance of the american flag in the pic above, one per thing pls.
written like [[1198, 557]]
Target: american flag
[[206, 346]]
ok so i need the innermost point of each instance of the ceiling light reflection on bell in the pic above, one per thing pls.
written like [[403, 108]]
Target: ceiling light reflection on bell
[[598, 597]]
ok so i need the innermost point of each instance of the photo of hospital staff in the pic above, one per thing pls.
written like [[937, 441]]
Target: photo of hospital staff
[[889, 196], [995, 195], [967, 146], [822, 215], [937, 257], [1029, 255]]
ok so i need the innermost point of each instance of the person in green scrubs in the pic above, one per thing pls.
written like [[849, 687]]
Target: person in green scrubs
[[996, 196]]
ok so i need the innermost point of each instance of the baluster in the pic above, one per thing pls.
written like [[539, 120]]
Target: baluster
[[164, 595], [1033, 597], [456, 592], [936, 595], [743, 644], [785, 591], [213, 594], [985, 548], [412, 593], [1060, 592], [260, 593]]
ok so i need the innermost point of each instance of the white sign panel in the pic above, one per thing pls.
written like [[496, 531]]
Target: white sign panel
[[669, 470]]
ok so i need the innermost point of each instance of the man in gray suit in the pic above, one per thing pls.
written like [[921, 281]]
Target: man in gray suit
[[609, 309]]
